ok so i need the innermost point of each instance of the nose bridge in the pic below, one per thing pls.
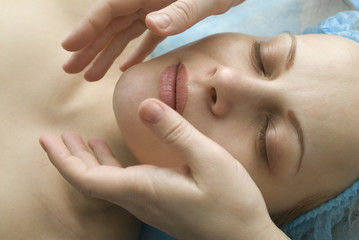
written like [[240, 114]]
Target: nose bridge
[[231, 82], [235, 88]]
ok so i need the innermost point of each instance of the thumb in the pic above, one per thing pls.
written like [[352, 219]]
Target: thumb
[[182, 14], [200, 153]]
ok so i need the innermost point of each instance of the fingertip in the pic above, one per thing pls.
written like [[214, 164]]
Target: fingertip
[[75, 41], [124, 66], [158, 22], [73, 65], [46, 140], [151, 111], [43, 140], [93, 76], [53, 148], [71, 45], [66, 45], [67, 68], [129, 63]]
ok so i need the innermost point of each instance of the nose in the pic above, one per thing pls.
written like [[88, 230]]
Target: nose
[[232, 88]]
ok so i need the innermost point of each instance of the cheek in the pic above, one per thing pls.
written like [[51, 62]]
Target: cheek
[[133, 88], [232, 138]]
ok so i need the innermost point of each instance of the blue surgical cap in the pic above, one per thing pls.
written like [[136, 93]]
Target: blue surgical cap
[[345, 24], [336, 219], [339, 217]]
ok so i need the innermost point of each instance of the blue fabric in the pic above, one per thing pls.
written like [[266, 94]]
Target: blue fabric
[[254, 17], [345, 24], [151, 233], [335, 219], [355, 3]]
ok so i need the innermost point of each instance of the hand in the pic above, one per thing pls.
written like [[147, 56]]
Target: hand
[[211, 197], [110, 25]]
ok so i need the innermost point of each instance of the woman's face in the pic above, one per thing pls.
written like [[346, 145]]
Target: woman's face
[[287, 108]]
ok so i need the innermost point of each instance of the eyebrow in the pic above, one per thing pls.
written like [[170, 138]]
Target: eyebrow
[[292, 52], [294, 121]]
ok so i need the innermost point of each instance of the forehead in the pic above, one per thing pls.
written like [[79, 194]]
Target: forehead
[[328, 63], [339, 53], [325, 74], [325, 82]]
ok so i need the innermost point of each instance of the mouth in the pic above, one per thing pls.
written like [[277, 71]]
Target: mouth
[[173, 87]]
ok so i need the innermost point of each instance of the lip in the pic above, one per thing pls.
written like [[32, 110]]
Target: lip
[[173, 87]]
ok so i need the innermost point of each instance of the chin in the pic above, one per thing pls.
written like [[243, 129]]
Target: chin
[[132, 88]]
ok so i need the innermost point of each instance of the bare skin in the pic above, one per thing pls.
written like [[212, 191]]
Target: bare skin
[[37, 96]]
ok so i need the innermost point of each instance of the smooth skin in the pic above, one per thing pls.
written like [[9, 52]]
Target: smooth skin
[[37, 97], [105, 36], [187, 202]]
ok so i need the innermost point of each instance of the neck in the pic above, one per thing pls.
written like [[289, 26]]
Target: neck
[[122, 152]]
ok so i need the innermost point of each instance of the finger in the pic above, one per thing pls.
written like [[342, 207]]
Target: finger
[[78, 148], [200, 153], [142, 189], [113, 50], [103, 152], [68, 165], [56, 149], [79, 60], [96, 19], [98, 181], [183, 14], [144, 48]]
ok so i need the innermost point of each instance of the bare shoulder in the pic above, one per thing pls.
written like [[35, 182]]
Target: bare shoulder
[[37, 97]]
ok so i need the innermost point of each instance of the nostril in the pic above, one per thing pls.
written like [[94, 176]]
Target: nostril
[[214, 71], [213, 95]]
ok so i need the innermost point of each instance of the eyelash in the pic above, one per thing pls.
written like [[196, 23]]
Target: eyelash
[[262, 138], [257, 58]]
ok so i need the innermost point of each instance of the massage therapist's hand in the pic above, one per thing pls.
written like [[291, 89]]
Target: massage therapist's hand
[[210, 197], [110, 25]]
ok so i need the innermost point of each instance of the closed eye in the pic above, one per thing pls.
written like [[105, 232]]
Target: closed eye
[[262, 138], [257, 59]]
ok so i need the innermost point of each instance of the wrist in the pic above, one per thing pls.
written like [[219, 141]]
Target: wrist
[[263, 229], [272, 232]]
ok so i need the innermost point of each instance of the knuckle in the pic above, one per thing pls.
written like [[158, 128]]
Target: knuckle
[[178, 132], [221, 6], [186, 10], [85, 189], [92, 22], [111, 8], [85, 186]]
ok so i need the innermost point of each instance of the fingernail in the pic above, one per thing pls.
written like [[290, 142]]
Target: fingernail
[[160, 19], [152, 112]]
